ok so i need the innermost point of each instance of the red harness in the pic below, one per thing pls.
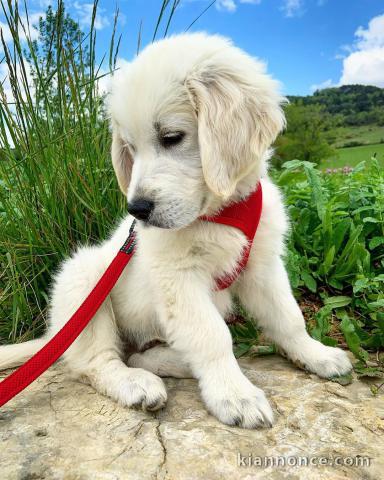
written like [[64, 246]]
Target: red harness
[[244, 215]]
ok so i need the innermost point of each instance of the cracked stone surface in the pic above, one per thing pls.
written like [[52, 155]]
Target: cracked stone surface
[[61, 429]]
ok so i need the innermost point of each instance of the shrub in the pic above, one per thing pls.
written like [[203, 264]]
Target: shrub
[[352, 143], [336, 249]]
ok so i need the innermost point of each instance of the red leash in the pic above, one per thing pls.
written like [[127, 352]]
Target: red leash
[[244, 215], [44, 358]]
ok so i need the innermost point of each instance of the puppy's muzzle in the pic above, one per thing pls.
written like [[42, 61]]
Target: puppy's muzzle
[[141, 208]]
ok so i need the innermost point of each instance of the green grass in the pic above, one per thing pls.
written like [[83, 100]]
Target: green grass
[[57, 187], [351, 156], [364, 134]]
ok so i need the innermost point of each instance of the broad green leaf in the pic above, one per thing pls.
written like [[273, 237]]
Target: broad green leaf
[[374, 372], [352, 339], [317, 192], [355, 232], [380, 321], [359, 167], [331, 342], [294, 164], [333, 282], [263, 350], [241, 349], [309, 281], [377, 304], [322, 323], [339, 232], [342, 379], [328, 261], [363, 209], [360, 285], [375, 242], [337, 301], [286, 177]]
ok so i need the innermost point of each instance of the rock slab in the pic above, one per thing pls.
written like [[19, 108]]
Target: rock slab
[[61, 429]]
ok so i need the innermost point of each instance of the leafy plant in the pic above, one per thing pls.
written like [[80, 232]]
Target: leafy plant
[[336, 250]]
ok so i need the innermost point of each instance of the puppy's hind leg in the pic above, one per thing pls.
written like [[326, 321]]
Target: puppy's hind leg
[[163, 361], [96, 354]]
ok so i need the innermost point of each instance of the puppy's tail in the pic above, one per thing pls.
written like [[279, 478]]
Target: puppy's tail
[[15, 355]]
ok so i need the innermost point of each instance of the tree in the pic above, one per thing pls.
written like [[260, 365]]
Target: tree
[[357, 104], [307, 135], [59, 48]]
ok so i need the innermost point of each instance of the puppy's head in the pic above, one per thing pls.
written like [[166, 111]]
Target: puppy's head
[[193, 118]]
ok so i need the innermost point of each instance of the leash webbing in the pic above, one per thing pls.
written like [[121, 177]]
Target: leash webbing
[[44, 358]]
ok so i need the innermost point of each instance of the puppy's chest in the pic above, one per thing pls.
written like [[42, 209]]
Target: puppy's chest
[[221, 253], [214, 249]]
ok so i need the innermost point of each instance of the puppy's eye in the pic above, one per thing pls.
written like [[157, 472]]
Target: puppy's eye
[[171, 138]]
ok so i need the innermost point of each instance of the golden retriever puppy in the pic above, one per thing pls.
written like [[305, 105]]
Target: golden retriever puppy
[[193, 120]]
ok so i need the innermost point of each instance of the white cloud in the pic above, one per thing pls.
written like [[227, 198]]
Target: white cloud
[[6, 83], [226, 5], [7, 93], [364, 62], [31, 31], [365, 67], [84, 12], [4, 79], [5, 32], [373, 36], [326, 84], [292, 8], [26, 28], [231, 5]]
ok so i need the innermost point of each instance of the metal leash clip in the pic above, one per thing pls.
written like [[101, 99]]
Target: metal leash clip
[[130, 242]]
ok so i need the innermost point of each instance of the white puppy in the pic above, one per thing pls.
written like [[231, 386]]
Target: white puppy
[[193, 119]]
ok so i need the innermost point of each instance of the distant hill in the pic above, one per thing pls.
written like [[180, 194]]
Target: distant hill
[[353, 104]]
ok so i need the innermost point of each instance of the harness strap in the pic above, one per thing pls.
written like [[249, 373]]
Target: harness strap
[[245, 216]]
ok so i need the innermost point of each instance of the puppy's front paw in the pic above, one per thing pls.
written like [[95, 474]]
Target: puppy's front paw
[[331, 362], [140, 388], [326, 362], [239, 404]]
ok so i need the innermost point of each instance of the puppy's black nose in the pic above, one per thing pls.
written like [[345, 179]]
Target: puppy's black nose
[[141, 208]]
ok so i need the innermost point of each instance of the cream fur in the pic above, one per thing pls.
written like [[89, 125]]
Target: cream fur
[[230, 112]]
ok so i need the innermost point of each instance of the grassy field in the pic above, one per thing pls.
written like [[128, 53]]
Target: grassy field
[[351, 156], [364, 134]]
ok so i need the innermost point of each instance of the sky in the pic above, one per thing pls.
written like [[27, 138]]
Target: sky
[[306, 44]]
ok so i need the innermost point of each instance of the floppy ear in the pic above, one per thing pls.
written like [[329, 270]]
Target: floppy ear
[[121, 160], [239, 116]]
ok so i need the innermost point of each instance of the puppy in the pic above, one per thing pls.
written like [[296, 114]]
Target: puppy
[[193, 120]]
